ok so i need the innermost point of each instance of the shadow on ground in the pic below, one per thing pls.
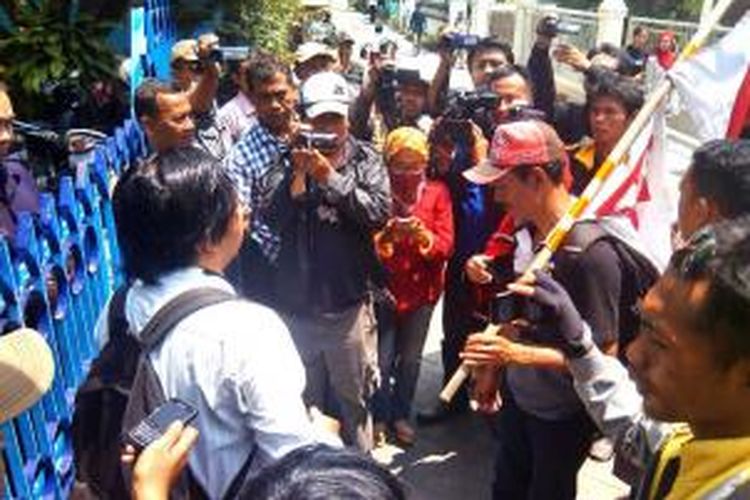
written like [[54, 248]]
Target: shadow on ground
[[451, 460]]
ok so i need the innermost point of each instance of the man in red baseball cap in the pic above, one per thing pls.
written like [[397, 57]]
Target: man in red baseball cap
[[544, 431]]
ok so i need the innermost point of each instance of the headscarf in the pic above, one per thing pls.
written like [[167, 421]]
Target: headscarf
[[666, 58]]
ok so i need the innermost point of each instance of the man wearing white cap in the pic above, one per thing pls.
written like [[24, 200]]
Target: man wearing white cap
[[312, 58], [325, 207]]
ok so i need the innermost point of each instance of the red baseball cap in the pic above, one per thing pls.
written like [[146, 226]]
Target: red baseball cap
[[518, 144]]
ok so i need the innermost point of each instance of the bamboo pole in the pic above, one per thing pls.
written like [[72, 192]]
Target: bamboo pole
[[557, 235]]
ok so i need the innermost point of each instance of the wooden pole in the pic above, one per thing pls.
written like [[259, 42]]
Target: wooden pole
[[555, 237]]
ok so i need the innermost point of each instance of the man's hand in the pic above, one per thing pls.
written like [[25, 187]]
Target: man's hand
[[485, 396], [571, 56], [160, 463], [477, 269], [495, 350], [575, 340], [313, 163], [207, 43], [320, 168]]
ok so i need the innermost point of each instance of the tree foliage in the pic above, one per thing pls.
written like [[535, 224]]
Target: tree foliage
[[50, 41], [268, 23]]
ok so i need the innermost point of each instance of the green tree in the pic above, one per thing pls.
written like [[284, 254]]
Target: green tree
[[268, 23], [47, 41]]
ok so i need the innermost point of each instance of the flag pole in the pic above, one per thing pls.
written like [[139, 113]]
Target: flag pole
[[557, 235]]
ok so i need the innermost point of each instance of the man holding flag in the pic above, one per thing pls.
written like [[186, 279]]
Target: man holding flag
[[545, 433]]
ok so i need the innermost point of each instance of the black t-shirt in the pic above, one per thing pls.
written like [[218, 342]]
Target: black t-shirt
[[638, 58], [593, 280]]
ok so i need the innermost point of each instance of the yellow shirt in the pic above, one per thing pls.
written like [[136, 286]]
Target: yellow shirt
[[704, 465]]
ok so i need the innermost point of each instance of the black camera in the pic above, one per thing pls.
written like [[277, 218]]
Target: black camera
[[507, 306], [458, 41], [388, 77], [464, 105], [551, 26], [216, 56], [316, 140]]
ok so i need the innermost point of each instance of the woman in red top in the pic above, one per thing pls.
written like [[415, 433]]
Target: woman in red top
[[414, 247], [666, 50]]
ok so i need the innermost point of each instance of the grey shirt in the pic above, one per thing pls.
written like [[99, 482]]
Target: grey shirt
[[592, 278]]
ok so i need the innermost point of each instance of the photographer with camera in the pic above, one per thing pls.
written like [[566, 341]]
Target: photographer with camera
[[399, 96], [544, 431], [196, 67], [569, 119], [325, 205], [485, 55]]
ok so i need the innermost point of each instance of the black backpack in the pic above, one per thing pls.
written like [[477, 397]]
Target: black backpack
[[122, 388], [638, 276]]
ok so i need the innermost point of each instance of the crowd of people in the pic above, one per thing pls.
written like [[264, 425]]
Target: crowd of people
[[335, 202]]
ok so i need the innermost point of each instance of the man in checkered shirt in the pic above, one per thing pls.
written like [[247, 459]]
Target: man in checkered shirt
[[263, 145]]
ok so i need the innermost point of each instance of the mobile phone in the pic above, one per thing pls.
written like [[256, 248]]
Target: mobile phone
[[156, 424]]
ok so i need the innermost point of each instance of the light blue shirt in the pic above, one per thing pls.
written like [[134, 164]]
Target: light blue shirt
[[236, 363]]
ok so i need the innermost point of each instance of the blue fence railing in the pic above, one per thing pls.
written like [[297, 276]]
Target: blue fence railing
[[56, 275]]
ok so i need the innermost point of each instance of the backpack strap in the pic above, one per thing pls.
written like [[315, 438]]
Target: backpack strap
[[177, 309], [117, 322]]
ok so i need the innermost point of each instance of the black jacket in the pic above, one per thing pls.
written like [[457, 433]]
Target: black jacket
[[327, 261]]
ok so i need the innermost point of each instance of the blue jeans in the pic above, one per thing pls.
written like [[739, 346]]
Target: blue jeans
[[401, 339]]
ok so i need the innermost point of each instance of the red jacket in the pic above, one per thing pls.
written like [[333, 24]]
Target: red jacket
[[415, 259]]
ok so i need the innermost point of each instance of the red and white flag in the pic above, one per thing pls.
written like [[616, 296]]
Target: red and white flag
[[714, 85], [637, 190]]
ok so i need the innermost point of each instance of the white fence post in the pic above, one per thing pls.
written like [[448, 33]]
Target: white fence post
[[612, 14], [522, 34], [480, 13]]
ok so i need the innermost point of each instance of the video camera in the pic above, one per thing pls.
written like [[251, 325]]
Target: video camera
[[457, 41], [316, 140], [551, 26], [465, 105]]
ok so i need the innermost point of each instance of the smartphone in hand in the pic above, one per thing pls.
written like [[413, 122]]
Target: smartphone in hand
[[155, 425]]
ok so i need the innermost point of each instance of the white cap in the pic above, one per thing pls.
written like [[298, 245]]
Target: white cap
[[308, 50], [27, 368], [325, 92]]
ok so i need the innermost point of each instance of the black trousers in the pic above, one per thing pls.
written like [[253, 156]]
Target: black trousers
[[539, 459]]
